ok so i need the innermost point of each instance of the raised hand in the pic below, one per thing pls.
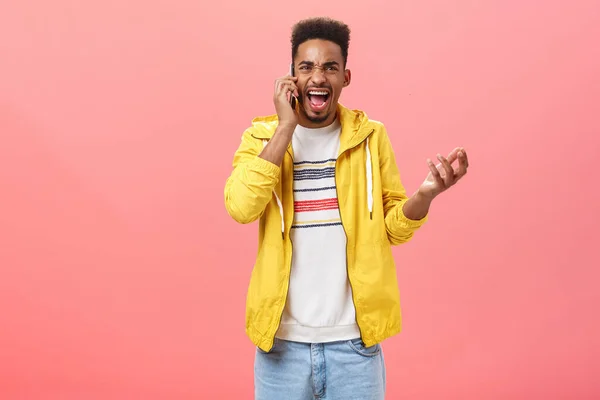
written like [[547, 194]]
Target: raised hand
[[288, 120], [285, 87], [443, 176]]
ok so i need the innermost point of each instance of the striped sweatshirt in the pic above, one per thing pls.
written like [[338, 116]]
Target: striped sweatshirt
[[319, 305]]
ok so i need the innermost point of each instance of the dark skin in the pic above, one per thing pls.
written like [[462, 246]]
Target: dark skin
[[319, 65]]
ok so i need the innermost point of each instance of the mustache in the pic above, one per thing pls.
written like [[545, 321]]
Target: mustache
[[326, 87]]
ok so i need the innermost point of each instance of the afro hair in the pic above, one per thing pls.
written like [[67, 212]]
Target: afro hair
[[321, 28]]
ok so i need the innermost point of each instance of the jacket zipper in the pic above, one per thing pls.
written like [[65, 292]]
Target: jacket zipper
[[291, 245], [346, 234]]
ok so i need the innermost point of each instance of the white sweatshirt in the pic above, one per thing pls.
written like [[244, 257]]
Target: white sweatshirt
[[319, 305]]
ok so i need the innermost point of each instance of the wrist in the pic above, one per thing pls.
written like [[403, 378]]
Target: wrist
[[417, 206], [286, 126], [285, 131], [423, 198]]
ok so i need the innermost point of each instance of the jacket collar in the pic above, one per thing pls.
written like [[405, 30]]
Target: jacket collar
[[355, 127]]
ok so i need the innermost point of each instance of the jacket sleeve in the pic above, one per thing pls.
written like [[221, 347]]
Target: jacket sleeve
[[399, 228], [250, 186]]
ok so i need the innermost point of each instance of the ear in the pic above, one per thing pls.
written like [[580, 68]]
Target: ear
[[347, 77]]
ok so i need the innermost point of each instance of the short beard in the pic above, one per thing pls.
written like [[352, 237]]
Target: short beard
[[318, 120]]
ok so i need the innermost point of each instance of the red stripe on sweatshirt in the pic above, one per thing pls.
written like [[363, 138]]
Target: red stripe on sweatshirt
[[315, 205]]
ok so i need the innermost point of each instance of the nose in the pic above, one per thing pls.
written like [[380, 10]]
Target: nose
[[318, 76]]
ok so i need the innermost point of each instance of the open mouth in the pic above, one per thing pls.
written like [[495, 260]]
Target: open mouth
[[318, 99]]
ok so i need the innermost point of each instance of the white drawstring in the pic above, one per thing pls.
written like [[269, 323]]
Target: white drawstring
[[280, 213], [278, 201], [369, 181]]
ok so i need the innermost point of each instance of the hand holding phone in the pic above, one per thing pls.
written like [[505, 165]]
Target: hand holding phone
[[284, 99]]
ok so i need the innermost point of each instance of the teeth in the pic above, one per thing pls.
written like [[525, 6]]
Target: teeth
[[317, 93]]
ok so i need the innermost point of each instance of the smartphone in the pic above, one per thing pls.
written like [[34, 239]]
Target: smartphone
[[292, 97]]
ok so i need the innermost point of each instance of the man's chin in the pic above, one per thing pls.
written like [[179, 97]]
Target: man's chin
[[317, 117]]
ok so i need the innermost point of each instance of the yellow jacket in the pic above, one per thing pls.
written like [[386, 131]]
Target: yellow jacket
[[370, 197]]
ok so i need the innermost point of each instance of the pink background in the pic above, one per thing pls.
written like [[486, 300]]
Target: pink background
[[122, 277]]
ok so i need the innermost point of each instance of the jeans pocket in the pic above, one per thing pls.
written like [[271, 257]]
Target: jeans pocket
[[359, 347]]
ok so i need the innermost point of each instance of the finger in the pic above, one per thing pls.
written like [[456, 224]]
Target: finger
[[285, 80], [457, 153], [435, 173], [453, 155], [449, 178], [287, 86], [459, 176], [462, 167], [464, 153], [463, 162], [291, 87], [285, 93], [280, 82], [288, 77]]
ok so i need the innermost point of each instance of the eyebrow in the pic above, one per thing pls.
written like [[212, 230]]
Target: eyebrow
[[327, 64]]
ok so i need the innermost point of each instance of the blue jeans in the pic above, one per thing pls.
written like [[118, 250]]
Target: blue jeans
[[302, 371]]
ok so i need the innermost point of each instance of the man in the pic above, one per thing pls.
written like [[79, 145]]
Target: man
[[323, 182]]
